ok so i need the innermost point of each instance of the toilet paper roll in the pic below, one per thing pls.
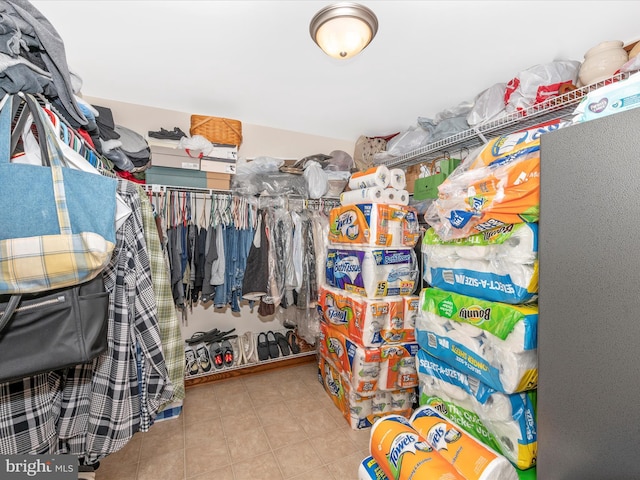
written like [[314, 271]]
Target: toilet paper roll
[[469, 456], [497, 408], [373, 177], [363, 195], [467, 329], [373, 273], [398, 179]]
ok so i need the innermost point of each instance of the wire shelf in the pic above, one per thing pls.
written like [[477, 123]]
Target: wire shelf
[[558, 107]]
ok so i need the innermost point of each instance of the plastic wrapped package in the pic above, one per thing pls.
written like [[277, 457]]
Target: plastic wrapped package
[[500, 265], [497, 184], [316, 178], [258, 165], [274, 183], [506, 423], [488, 106], [493, 342]]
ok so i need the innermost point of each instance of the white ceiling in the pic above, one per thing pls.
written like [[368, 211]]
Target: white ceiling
[[255, 61]]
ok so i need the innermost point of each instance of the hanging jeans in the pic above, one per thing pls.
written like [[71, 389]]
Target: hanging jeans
[[236, 250]]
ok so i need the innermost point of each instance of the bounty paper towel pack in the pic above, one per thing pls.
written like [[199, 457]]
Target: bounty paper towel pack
[[372, 272], [506, 423], [473, 459], [398, 366], [493, 342], [374, 224], [361, 319], [361, 366], [500, 265], [361, 412], [498, 184]]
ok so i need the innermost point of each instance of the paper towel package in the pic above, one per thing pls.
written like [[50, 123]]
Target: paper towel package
[[506, 423], [403, 454], [369, 469], [494, 342], [374, 224], [369, 322], [473, 459], [361, 366], [500, 265], [398, 366], [358, 318], [372, 272], [399, 326], [361, 412]]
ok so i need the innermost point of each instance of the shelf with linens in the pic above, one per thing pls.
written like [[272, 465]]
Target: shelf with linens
[[554, 108]]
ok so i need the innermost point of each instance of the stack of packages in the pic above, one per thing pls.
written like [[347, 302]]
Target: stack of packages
[[367, 342], [477, 325], [377, 185]]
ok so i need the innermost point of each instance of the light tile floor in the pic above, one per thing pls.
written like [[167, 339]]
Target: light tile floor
[[266, 426]]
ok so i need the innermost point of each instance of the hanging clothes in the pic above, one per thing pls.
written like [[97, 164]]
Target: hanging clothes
[[93, 410]]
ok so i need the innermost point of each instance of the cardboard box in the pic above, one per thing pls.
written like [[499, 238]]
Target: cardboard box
[[221, 150], [164, 156], [176, 177], [218, 181], [218, 165]]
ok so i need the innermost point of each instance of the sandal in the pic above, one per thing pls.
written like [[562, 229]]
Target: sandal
[[198, 337], [292, 338]]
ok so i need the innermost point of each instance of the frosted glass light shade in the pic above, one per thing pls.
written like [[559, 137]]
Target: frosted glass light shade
[[344, 29]]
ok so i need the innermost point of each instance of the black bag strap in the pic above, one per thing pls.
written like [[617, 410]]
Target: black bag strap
[[13, 303]]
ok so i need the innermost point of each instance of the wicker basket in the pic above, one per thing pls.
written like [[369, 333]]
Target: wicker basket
[[217, 130]]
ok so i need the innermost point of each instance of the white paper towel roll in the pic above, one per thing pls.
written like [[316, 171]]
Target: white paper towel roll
[[363, 195], [473, 344], [398, 179], [519, 247], [520, 274], [402, 197], [507, 434], [473, 265], [373, 177], [473, 252], [467, 329], [497, 408]]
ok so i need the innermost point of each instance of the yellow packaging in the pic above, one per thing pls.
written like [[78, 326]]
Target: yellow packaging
[[474, 460], [404, 455]]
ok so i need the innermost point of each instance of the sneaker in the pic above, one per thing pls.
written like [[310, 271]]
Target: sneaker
[[191, 363], [204, 359]]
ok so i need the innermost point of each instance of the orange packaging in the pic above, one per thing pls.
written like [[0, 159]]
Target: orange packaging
[[474, 460], [404, 455], [397, 328]]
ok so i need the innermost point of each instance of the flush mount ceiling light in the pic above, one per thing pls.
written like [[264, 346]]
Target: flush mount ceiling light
[[344, 29]]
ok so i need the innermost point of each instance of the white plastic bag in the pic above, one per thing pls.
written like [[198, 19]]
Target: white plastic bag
[[317, 180], [488, 104], [538, 83]]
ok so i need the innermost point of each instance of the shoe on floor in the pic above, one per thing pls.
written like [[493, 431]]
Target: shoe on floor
[[204, 359], [249, 348], [191, 362]]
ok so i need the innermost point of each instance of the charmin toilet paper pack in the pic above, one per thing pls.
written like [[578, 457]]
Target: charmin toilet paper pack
[[500, 265], [372, 272], [374, 224], [506, 423], [493, 342]]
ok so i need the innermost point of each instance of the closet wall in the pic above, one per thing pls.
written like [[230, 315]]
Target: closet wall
[[257, 141]]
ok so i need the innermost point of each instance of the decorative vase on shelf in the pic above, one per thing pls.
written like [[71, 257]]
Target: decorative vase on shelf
[[602, 61]]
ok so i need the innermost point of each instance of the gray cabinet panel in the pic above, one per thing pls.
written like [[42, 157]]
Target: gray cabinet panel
[[589, 328]]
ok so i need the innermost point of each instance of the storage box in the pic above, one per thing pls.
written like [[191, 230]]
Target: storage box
[[218, 165], [221, 150], [162, 156], [218, 181], [176, 177]]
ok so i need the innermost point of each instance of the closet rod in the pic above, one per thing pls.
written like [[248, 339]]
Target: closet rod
[[157, 188]]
